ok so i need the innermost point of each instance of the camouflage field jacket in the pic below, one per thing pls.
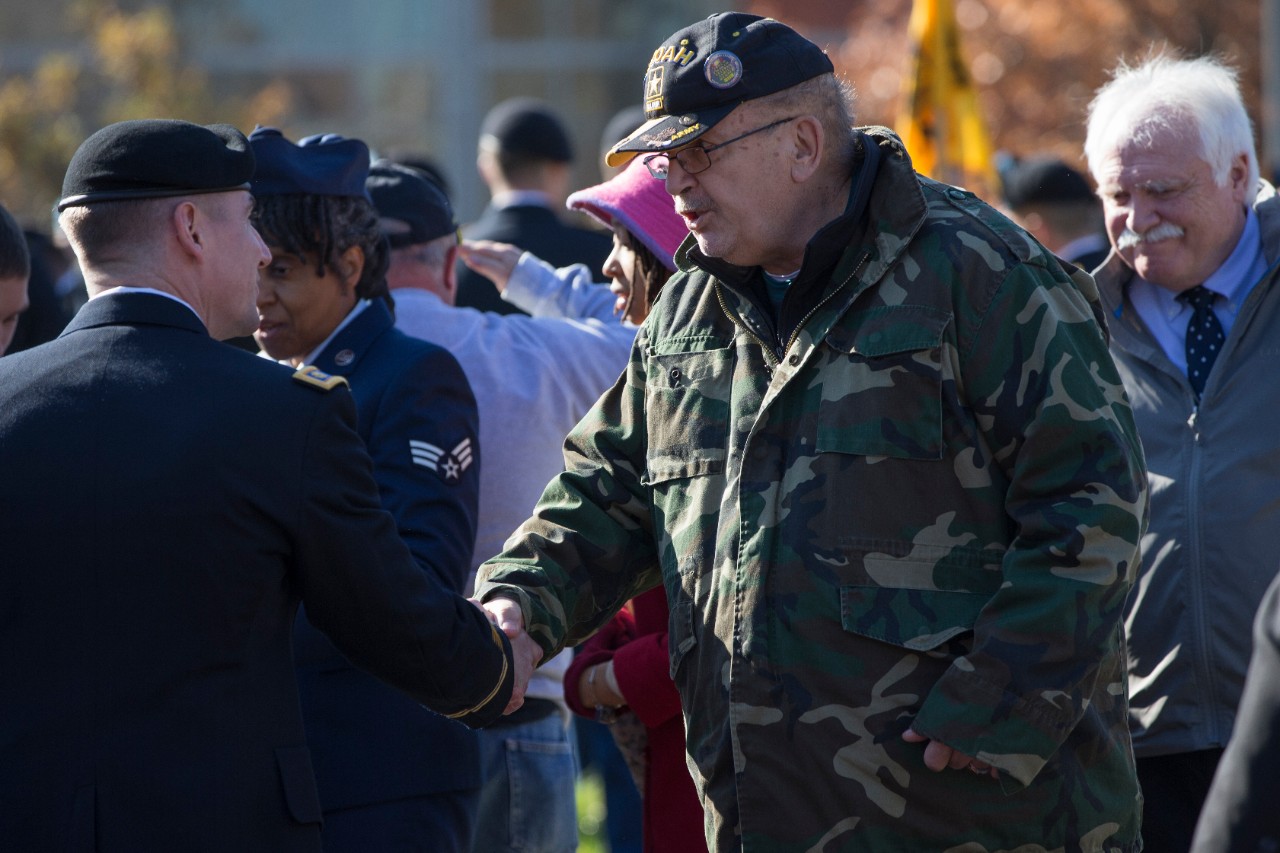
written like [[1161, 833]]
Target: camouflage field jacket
[[925, 513]]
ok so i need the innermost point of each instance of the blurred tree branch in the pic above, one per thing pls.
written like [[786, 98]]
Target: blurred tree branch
[[129, 65]]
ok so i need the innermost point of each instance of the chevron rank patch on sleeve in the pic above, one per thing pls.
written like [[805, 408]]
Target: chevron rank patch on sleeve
[[448, 464], [310, 375]]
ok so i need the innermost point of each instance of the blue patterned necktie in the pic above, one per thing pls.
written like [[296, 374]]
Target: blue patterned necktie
[[1204, 335]]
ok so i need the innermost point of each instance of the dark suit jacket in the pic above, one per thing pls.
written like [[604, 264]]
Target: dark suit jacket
[[178, 498], [1242, 810], [535, 229], [417, 416]]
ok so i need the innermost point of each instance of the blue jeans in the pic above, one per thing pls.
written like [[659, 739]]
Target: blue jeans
[[527, 800]]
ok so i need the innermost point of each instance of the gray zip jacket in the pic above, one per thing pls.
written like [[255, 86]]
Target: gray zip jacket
[[1213, 543]]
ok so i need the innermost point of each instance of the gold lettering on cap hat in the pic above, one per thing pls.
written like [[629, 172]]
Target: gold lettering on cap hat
[[693, 128], [680, 54]]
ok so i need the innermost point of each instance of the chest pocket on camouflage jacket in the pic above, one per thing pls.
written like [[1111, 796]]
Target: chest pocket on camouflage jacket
[[882, 384], [687, 408], [687, 385]]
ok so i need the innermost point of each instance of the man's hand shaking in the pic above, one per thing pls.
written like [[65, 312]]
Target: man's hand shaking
[[505, 613]]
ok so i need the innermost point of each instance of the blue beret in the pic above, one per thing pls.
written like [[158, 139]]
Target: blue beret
[[327, 164], [156, 158]]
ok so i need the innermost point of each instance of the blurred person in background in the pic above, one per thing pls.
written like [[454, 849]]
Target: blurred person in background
[[15, 270], [1056, 204], [525, 158]]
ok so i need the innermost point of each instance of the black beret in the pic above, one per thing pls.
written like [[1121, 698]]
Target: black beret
[[1044, 180], [155, 158], [411, 208], [528, 126], [702, 72], [327, 164]]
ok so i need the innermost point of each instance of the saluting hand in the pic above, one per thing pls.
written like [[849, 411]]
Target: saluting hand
[[495, 261]]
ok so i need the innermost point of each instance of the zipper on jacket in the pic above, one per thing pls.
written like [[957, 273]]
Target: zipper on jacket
[[866, 256], [1203, 668], [772, 357], [774, 354]]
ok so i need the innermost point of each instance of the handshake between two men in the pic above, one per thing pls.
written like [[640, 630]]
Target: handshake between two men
[[525, 653]]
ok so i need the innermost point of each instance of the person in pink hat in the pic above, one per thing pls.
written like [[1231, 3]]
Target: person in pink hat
[[647, 231], [621, 675]]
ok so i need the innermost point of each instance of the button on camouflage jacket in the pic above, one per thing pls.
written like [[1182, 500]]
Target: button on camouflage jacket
[[925, 513]]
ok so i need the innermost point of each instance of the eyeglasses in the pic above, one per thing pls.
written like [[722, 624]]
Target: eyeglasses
[[695, 159]]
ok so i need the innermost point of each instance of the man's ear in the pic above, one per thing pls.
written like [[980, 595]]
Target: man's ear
[[449, 274], [351, 265], [808, 143], [188, 221]]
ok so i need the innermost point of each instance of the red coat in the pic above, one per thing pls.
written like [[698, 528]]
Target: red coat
[[636, 639]]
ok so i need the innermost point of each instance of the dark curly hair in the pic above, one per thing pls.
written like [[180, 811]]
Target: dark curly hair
[[648, 268], [325, 227]]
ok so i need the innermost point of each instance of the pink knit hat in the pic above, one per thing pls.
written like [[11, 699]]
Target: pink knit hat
[[641, 203]]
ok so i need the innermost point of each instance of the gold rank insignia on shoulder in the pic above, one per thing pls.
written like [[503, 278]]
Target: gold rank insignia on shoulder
[[309, 374]]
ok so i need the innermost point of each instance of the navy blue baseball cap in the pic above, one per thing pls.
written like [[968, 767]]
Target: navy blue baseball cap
[[156, 158], [326, 164], [702, 72], [1045, 181], [411, 207]]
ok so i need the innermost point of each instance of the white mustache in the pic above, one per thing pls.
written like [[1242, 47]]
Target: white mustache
[[1164, 231]]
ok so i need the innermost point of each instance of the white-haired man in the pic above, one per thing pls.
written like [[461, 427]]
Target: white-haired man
[[1195, 321]]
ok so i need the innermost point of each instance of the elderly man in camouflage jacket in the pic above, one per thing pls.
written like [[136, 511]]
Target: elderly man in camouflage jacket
[[873, 444]]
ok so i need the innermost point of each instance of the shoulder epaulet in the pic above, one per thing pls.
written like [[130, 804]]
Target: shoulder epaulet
[[310, 375]]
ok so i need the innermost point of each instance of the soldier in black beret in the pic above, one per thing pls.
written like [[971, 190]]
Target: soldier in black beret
[[180, 499]]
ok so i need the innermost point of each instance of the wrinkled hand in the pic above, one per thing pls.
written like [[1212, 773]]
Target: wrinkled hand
[[506, 614], [938, 756], [495, 261]]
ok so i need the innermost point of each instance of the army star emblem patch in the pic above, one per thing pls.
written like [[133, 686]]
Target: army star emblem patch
[[448, 464]]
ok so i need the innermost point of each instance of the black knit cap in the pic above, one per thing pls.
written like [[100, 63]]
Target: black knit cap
[[411, 208], [324, 164], [701, 73], [1045, 180], [156, 158], [528, 126]]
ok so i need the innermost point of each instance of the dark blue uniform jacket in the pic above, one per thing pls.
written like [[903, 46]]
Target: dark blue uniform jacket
[[417, 416], [178, 497]]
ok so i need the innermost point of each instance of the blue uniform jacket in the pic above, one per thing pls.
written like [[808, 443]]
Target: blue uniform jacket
[[418, 418]]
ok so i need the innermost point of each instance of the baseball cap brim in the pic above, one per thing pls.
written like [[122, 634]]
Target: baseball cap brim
[[666, 133]]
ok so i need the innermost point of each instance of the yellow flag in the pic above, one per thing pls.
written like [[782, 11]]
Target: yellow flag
[[938, 119]]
